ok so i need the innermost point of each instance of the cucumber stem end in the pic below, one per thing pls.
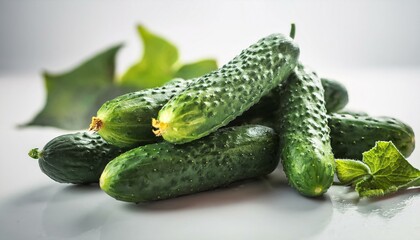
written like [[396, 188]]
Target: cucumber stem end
[[96, 124], [35, 153], [292, 30], [160, 127]]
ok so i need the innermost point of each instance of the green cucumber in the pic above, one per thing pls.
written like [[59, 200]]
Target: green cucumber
[[164, 170], [77, 158], [335, 96], [302, 125], [352, 112], [336, 93], [217, 98], [351, 135], [125, 120], [130, 107]]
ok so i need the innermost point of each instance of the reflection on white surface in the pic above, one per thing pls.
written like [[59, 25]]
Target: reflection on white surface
[[255, 209], [72, 211], [266, 208], [246, 210], [20, 214], [51, 212], [346, 199]]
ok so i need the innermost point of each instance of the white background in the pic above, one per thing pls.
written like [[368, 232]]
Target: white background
[[370, 46], [57, 34]]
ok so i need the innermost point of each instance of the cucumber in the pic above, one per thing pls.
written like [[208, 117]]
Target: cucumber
[[336, 98], [352, 112], [77, 158], [351, 135], [217, 98], [302, 125], [120, 123], [125, 120], [336, 93], [164, 170]]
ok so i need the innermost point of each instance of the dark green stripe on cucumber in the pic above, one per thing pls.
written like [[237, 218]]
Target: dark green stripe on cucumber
[[77, 158]]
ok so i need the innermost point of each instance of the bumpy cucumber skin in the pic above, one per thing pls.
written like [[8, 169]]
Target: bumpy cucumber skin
[[335, 95], [351, 135], [126, 119], [77, 158], [164, 170], [121, 129], [302, 125], [336, 98], [220, 96]]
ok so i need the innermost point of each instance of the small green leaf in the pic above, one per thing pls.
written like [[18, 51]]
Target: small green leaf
[[349, 170], [72, 97], [156, 66], [389, 171], [197, 69]]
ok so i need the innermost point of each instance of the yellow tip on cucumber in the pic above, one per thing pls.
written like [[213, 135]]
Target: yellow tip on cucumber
[[102, 179], [318, 190], [96, 124], [160, 127]]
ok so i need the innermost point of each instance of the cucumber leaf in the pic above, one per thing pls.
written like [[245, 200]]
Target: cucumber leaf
[[156, 66], [159, 64], [384, 170], [349, 171], [193, 70], [72, 97]]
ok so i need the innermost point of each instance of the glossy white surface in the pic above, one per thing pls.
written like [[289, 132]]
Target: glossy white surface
[[34, 207]]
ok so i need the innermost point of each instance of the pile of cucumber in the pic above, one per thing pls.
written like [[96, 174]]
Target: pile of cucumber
[[235, 123]]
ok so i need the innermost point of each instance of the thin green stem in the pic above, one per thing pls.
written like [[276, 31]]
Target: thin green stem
[[34, 153], [292, 31]]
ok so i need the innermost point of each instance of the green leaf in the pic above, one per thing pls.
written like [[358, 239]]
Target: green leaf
[[157, 64], [197, 69], [72, 97], [349, 170], [389, 171], [75, 96]]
